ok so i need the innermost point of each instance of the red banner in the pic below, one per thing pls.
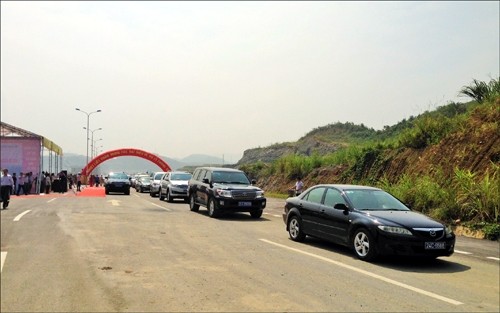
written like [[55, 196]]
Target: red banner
[[125, 152]]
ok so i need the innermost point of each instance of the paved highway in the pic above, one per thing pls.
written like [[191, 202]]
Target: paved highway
[[137, 253]]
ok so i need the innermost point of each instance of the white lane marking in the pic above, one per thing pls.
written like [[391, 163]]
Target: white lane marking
[[3, 256], [385, 279], [51, 200], [493, 258], [18, 218], [166, 209], [462, 252], [275, 215]]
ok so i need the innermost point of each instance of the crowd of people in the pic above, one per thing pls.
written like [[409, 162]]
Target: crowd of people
[[26, 183]]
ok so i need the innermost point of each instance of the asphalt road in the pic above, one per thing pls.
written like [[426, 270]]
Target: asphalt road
[[137, 253]]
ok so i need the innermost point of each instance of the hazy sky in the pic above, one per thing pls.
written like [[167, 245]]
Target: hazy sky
[[217, 78]]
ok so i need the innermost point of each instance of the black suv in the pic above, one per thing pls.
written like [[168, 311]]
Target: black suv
[[117, 182], [224, 190]]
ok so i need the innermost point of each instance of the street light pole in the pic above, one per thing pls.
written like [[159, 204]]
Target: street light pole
[[92, 141], [88, 122], [94, 148]]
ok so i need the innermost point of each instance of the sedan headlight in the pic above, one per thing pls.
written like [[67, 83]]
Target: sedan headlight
[[395, 230]]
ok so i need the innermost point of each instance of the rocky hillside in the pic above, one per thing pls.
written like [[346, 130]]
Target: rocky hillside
[[474, 145], [322, 140]]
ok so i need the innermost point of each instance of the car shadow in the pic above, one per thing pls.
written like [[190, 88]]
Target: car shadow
[[235, 217], [395, 262]]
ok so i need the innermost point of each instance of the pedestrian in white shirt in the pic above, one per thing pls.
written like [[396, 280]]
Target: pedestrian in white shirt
[[6, 185]]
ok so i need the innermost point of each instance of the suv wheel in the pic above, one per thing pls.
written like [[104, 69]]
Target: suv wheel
[[213, 210], [160, 195], [192, 204], [168, 197], [256, 214]]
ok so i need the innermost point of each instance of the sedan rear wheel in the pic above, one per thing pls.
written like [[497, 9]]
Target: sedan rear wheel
[[295, 229], [364, 245]]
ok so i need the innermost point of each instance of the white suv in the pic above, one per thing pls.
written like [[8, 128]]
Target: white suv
[[155, 183]]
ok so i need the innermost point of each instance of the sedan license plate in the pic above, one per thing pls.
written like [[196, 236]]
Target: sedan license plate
[[435, 245], [244, 203]]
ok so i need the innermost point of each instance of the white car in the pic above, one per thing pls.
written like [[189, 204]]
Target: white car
[[174, 185], [155, 183]]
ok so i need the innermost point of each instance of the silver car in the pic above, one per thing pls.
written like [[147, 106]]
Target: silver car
[[155, 183], [174, 185]]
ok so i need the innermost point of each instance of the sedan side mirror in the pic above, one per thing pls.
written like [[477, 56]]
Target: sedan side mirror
[[342, 207]]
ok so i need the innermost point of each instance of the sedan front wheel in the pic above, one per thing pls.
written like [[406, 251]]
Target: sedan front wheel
[[364, 245]]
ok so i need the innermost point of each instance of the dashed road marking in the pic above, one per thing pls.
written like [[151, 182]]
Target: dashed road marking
[[462, 252], [493, 258], [51, 200], [166, 209], [3, 256], [18, 218], [373, 275]]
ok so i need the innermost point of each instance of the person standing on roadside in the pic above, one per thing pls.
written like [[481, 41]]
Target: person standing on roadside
[[299, 185], [20, 183], [48, 183], [6, 185], [27, 183], [14, 178], [78, 182]]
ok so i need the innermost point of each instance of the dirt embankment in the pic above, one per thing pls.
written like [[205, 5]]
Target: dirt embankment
[[475, 147]]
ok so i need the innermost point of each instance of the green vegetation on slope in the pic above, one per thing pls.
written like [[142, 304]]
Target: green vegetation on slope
[[444, 163]]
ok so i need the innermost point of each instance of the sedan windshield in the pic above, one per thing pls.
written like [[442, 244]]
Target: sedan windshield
[[363, 199], [118, 176]]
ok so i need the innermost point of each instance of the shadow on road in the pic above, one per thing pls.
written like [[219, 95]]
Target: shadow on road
[[399, 263]]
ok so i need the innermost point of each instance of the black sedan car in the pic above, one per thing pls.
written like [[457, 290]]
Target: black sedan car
[[117, 182], [369, 220]]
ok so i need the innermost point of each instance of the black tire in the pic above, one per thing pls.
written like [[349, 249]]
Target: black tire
[[213, 208], [295, 229], [192, 204], [256, 214], [107, 192], [168, 197], [160, 195], [363, 245]]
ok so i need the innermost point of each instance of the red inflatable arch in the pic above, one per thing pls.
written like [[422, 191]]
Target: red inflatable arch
[[124, 152]]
